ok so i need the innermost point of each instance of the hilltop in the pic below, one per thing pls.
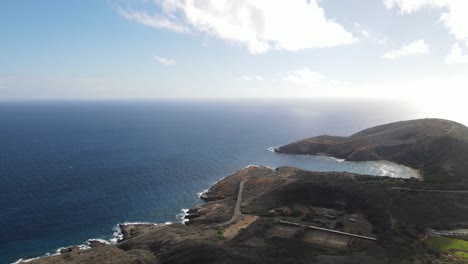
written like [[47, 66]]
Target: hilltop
[[437, 147]]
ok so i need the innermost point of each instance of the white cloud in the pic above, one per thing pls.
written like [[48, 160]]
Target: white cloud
[[455, 18], [261, 25], [165, 61], [304, 76], [365, 33], [418, 47], [250, 78], [382, 41], [243, 78], [456, 55], [362, 29], [152, 21], [409, 6]]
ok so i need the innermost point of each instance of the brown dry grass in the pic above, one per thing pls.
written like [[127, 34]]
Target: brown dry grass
[[327, 239], [243, 222]]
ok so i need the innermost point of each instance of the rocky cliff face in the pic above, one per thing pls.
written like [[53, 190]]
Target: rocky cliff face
[[439, 148]]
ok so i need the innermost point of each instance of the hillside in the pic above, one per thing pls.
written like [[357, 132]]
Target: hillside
[[391, 222], [437, 147]]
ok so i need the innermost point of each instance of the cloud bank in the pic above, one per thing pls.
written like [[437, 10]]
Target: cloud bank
[[456, 55], [260, 25], [455, 16]]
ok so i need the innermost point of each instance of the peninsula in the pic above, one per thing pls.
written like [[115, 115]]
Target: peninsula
[[437, 147]]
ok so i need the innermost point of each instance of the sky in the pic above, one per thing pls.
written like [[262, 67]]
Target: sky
[[415, 50]]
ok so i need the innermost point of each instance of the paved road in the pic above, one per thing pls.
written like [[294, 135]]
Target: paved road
[[424, 190], [237, 211]]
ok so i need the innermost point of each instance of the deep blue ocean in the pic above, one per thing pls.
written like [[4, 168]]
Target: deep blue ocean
[[70, 171]]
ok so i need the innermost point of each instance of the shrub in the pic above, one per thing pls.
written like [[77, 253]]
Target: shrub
[[296, 213], [339, 225]]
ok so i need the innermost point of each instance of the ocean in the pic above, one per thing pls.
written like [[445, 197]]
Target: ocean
[[72, 170]]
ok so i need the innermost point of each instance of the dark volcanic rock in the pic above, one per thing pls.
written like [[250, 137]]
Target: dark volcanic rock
[[133, 230], [207, 197], [69, 249], [96, 243]]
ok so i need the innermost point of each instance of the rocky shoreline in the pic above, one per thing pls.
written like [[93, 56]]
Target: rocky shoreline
[[322, 210], [270, 197]]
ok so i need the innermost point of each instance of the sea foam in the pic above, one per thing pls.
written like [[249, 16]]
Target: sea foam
[[199, 194], [181, 216]]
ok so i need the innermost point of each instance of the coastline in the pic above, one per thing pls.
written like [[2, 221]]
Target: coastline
[[210, 227], [121, 229], [121, 232], [278, 193], [416, 172]]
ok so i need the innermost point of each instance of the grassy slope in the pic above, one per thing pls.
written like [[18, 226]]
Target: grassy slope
[[435, 210], [449, 245]]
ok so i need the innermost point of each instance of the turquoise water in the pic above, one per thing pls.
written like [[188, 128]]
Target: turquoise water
[[70, 171]]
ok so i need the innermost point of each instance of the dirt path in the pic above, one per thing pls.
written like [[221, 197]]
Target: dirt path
[[389, 213], [450, 130], [392, 223]]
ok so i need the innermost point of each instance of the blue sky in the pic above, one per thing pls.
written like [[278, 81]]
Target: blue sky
[[411, 49]]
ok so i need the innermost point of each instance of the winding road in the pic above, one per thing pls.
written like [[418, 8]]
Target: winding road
[[237, 211]]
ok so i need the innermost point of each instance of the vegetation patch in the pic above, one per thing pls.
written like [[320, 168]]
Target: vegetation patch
[[220, 234], [452, 246]]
